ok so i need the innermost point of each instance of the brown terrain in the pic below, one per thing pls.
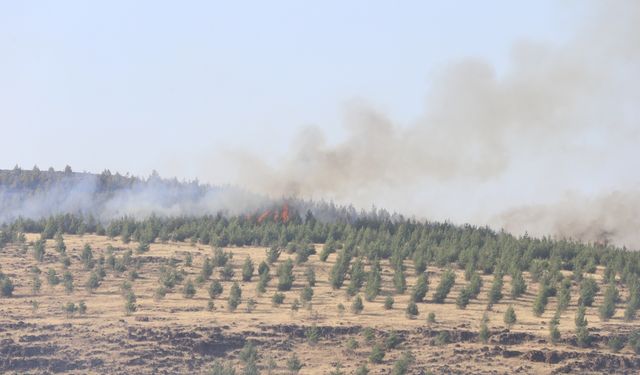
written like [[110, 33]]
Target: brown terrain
[[182, 335]]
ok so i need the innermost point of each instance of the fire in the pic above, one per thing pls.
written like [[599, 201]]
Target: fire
[[279, 215]]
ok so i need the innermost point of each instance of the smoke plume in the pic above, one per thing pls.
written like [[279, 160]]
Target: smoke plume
[[557, 117]]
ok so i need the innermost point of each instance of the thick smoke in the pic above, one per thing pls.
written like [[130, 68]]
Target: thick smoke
[[557, 108]]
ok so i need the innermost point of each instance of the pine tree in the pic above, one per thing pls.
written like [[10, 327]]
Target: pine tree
[[235, 297], [215, 289], [495, 293], [484, 333], [444, 287], [285, 275], [510, 316], [554, 332], [247, 269], [189, 289], [357, 305], [399, 281], [564, 295], [608, 307], [412, 310], [388, 303], [582, 333], [374, 281], [518, 285], [588, 290], [420, 289], [463, 298]]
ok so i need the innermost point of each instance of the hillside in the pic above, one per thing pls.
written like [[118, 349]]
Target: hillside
[[152, 306]]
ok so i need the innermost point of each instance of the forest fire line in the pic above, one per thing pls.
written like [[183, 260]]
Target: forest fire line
[[280, 214]]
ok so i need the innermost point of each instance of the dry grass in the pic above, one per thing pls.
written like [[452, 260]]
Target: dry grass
[[106, 305]]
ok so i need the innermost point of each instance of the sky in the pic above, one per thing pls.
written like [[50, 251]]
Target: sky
[[489, 112], [144, 85]]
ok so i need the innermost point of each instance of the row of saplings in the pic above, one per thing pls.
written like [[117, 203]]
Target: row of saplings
[[550, 284]]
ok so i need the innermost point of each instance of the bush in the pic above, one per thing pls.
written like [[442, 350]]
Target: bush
[[377, 354], [226, 273], [189, 290], [70, 308], [431, 317], [554, 332], [399, 281], [357, 306], [362, 370], [608, 307], [273, 254], [220, 258], [215, 289], [67, 277], [588, 290], [251, 305], [616, 343], [495, 293], [442, 338], [36, 284], [207, 269], [249, 353], [294, 364], [402, 365], [392, 341], [6, 286], [388, 303], [420, 289], [247, 269], [312, 334], [412, 310], [463, 298], [352, 344], [235, 297], [311, 276], [369, 335], [93, 282], [306, 294], [510, 316], [87, 257], [447, 281], [220, 368], [130, 303], [277, 299], [38, 250], [483, 334], [285, 275], [52, 277], [518, 285]]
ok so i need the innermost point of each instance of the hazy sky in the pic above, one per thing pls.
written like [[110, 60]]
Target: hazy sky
[[141, 85], [463, 110]]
